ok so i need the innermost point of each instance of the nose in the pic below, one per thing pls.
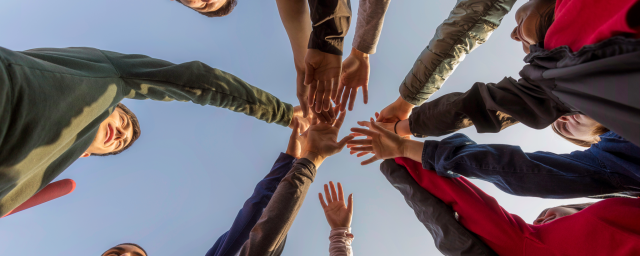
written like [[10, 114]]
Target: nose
[[120, 134], [514, 35], [563, 119]]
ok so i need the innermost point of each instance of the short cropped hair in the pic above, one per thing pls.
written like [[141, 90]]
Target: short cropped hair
[[136, 245], [136, 130], [224, 10], [597, 131]]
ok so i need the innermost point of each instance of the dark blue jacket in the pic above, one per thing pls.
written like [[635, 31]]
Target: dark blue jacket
[[229, 243], [610, 166]]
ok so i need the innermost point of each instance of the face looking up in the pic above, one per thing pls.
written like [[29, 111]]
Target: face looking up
[[578, 127], [204, 5], [125, 250], [554, 214], [114, 134], [527, 18]]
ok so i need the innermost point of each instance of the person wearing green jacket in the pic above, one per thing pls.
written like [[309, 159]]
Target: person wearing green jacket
[[469, 25], [56, 104]]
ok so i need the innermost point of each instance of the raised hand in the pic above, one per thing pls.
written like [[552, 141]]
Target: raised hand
[[322, 73], [382, 143], [401, 128], [322, 140], [297, 141], [355, 74], [396, 111], [338, 214]]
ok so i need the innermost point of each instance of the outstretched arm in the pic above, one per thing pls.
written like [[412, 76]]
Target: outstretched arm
[[143, 77], [355, 69], [273, 226], [339, 218], [297, 22], [478, 212], [469, 25]]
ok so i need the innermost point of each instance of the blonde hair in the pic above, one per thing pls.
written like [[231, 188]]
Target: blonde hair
[[597, 131]]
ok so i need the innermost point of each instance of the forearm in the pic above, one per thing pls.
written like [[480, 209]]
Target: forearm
[[331, 20], [435, 215], [148, 78], [281, 211], [340, 242], [253, 208], [297, 22], [469, 25], [413, 150], [369, 25], [476, 209], [518, 173]]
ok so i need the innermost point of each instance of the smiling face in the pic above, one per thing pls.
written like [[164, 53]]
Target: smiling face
[[204, 6], [125, 250], [579, 127], [527, 18], [114, 134], [554, 214]]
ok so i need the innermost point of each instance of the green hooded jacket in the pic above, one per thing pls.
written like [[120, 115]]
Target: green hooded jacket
[[52, 102]]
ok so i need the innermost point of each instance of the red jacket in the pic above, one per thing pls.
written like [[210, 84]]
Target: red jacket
[[609, 227], [583, 22]]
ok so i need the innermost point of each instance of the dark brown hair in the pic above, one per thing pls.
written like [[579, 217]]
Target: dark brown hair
[[577, 207], [224, 10], [136, 130], [136, 245], [597, 131], [546, 19]]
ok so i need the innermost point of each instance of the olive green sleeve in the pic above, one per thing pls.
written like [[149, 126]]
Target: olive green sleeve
[[148, 78], [468, 26]]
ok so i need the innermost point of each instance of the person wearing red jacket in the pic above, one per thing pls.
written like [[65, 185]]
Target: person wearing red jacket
[[608, 227]]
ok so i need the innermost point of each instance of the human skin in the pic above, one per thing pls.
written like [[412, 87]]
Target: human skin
[[204, 5], [338, 213], [578, 127], [124, 250], [554, 214], [527, 17], [114, 134]]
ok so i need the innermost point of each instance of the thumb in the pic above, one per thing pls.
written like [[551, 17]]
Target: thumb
[[343, 141]]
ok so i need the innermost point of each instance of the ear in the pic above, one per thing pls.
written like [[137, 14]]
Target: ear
[[85, 154]]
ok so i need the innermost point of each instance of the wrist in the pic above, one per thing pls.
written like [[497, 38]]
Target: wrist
[[412, 149], [315, 158], [358, 54], [403, 128], [403, 104]]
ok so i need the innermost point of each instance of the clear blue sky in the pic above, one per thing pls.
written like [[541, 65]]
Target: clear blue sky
[[181, 185]]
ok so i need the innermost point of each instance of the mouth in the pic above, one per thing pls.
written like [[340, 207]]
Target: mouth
[[109, 134]]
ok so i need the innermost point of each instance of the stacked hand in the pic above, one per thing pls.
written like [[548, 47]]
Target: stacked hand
[[322, 140], [322, 73], [355, 74], [338, 214], [297, 141], [382, 143], [396, 111]]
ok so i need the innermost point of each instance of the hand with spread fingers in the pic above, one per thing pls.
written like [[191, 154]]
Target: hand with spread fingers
[[322, 74], [338, 214], [355, 74], [400, 127], [297, 141], [382, 143], [322, 140]]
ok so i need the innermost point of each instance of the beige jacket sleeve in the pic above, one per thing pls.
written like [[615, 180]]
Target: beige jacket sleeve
[[468, 26], [369, 26]]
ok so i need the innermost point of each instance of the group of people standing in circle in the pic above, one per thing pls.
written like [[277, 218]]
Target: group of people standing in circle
[[581, 76]]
